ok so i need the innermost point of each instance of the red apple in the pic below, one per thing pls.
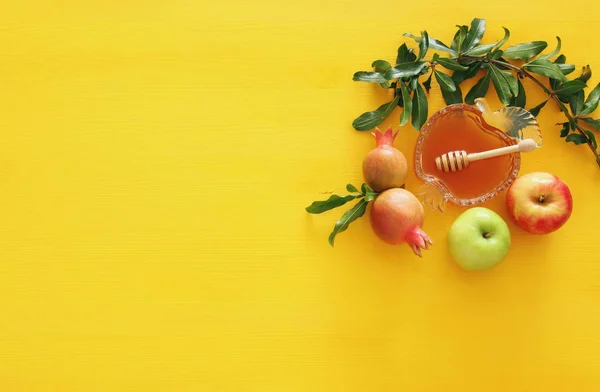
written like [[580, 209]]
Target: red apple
[[539, 203]]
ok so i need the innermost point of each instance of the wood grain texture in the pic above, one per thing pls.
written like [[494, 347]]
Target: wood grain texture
[[156, 159]]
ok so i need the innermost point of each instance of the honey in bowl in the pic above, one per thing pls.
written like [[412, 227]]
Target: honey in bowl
[[464, 127]]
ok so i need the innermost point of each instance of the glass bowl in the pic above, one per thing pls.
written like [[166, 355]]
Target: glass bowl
[[472, 129]]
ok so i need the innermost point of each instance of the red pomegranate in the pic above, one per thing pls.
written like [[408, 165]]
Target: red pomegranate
[[385, 167]]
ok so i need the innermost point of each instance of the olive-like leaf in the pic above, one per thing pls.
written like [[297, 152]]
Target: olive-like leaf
[[349, 216], [413, 83], [495, 55], [404, 70], [370, 120], [474, 34], [370, 195], [536, 110], [460, 76], [420, 108], [501, 84], [451, 64], [576, 102], [554, 52], [566, 68], [586, 74], [452, 97], [592, 122], [526, 50], [405, 116], [381, 66], [373, 77], [504, 39], [423, 45], [434, 44], [576, 138], [570, 87], [459, 38], [351, 188], [479, 89], [334, 201], [545, 68], [565, 129], [480, 49], [591, 103], [521, 99], [592, 138], [445, 81], [427, 83], [402, 53]]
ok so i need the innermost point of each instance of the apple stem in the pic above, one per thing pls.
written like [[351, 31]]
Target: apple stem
[[542, 198], [488, 235]]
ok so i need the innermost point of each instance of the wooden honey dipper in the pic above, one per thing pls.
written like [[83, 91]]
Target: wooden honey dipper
[[459, 160]]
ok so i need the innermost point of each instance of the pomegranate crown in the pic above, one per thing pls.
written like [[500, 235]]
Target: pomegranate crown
[[384, 139]]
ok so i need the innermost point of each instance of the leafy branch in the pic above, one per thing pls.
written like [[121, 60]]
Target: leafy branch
[[467, 58], [364, 196]]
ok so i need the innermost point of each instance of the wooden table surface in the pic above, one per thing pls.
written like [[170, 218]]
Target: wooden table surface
[[155, 161]]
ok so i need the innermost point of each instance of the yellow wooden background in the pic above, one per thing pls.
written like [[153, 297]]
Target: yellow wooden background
[[155, 161]]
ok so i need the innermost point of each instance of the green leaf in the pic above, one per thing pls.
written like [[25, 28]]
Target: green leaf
[[536, 110], [459, 38], [592, 138], [460, 76], [433, 44], [545, 68], [570, 87], [554, 52], [381, 66], [504, 39], [495, 55], [521, 99], [452, 97], [423, 46], [474, 34], [586, 74], [565, 129], [427, 83], [419, 109], [591, 103], [480, 49], [370, 195], [576, 102], [404, 70], [370, 120], [373, 77], [592, 122], [504, 83], [402, 53], [566, 68], [445, 81], [334, 201], [351, 188], [349, 216], [451, 64], [405, 116], [413, 83], [479, 89], [525, 50], [576, 138]]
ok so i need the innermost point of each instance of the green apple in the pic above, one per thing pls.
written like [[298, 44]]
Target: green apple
[[478, 239]]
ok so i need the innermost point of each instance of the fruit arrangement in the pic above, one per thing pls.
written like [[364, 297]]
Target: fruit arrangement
[[538, 202], [478, 239]]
